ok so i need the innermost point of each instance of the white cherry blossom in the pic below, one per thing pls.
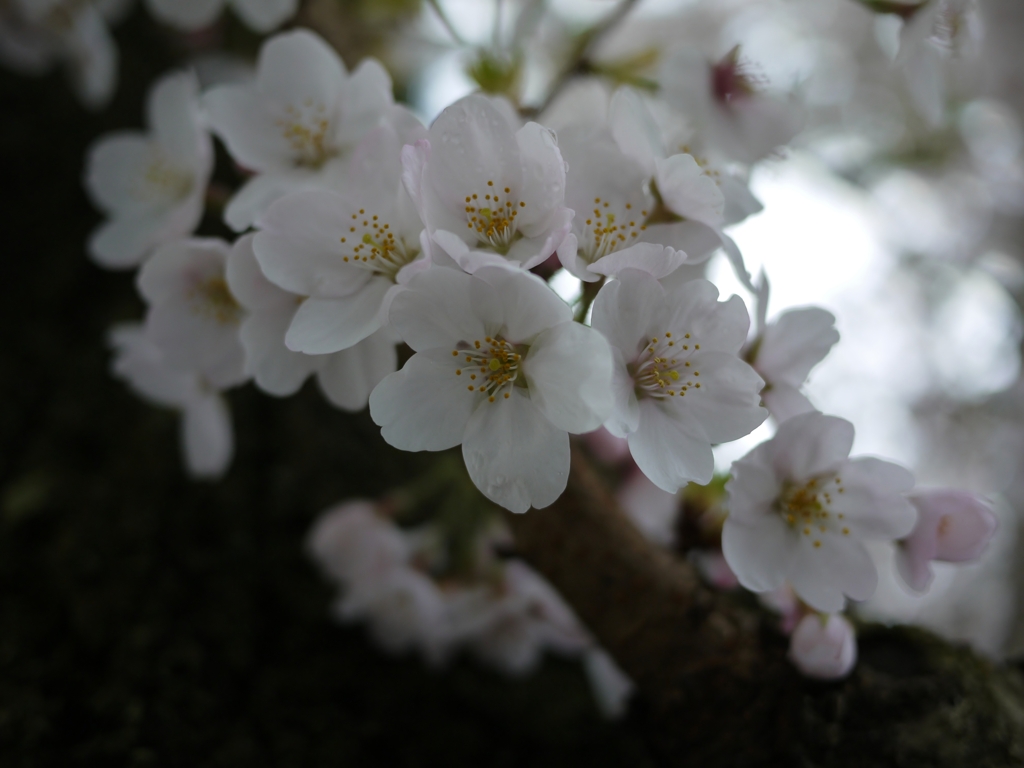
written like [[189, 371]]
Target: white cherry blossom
[[952, 526], [800, 511], [36, 35], [488, 193], [679, 383], [260, 15], [296, 124], [152, 186], [344, 251], [193, 317], [823, 646], [207, 442], [728, 103], [500, 368], [346, 377]]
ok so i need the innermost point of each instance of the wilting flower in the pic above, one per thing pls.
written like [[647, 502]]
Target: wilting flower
[[206, 438], [152, 186], [345, 377], [260, 15], [952, 526], [501, 368], [823, 646], [800, 511], [297, 123], [487, 192], [679, 384]]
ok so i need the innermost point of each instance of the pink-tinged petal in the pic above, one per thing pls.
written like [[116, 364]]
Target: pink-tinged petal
[[822, 575], [347, 377], [298, 67], [727, 404], [519, 304], [657, 260], [624, 308], [248, 284], [300, 249], [810, 445], [543, 185], [796, 342], [240, 116], [425, 406], [689, 191], [515, 456], [963, 523], [264, 15], [784, 402], [323, 326], [758, 552], [207, 439], [471, 144], [191, 15], [823, 647], [569, 371], [434, 310], [670, 448], [914, 566]]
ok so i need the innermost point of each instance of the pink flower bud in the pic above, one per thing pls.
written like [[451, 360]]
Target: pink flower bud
[[952, 526], [823, 647]]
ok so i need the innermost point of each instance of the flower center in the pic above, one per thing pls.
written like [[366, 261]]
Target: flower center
[[372, 244], [606, 231], [212, 298], [807, 510], [494, 217], [491, 366], [661, 370], [305, 128], [733, 79], [164, 181]]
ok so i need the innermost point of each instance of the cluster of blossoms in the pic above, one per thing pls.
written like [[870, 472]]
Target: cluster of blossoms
[[360, 230]]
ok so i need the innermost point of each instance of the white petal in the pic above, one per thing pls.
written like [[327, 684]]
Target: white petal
[[634, 129], [515, 303], [424, 406], [689, 191], [753, 487], [434, 310], [186, 14], [348, 377], [323, 326], [811, 444], [206, 436], [784, 402], [625, 417], [822, 575], [623, 310], [514, 455], [657, 260], [796, 342], [693, 307], [670, 448], [758, 552], [569, 371], [248, 283], [177, 268], [246, 124], [114, 164], [124, 243], [276, 369], [543, 187], [298, 67], [265, 15], [173, 116], [365, 99], [727, 404]]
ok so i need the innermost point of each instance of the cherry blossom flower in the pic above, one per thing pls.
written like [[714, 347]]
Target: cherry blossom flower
[[729, 104], [611, 686], [207, 443], [260, 15], [193, 317], [952, 526], [823, 646], [679, 384], [346, 377], [344, 251], [152, 186], [500, 368], [36, 35], [296, 125], [488, 193], [800, 511], [785, 351]]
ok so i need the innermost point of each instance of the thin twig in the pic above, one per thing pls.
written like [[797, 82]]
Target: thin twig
[[446, 22]]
